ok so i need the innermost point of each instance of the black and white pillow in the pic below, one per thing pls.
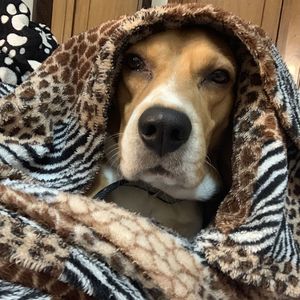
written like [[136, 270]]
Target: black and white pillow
[[24, 45]]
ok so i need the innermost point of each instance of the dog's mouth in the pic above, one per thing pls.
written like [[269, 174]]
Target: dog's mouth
[[159, 177], [159, 170], [178, 185]]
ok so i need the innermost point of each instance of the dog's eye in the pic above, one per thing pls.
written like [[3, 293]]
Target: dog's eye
[[134, 62], [219, 76]]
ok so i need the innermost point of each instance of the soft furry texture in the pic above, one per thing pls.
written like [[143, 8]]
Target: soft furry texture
[[52, 133]]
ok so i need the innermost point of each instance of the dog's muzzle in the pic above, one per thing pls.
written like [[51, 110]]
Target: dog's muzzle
[[164, 130]]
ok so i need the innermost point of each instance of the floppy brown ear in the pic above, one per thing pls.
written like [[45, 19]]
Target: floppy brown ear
[[221, 158], [224, 155], [114, 117], [117, 106]]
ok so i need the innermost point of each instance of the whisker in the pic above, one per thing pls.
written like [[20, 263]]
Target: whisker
[[118, 134], [112, 151], [209, 163], [114, 157]]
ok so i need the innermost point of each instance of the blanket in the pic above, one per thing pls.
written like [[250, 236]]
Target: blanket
[[58, 244]]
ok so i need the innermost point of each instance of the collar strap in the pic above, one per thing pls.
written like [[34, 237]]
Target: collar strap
[[137, 184]]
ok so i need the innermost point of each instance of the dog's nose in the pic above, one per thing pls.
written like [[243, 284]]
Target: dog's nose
[[164, 130]]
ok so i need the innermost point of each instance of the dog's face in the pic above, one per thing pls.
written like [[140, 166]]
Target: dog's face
[[174, 100]]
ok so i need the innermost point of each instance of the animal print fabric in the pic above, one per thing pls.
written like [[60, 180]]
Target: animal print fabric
[[52, 130]]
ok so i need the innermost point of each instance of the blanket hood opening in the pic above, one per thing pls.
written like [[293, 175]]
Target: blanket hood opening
[[54, 125], [256, 84]]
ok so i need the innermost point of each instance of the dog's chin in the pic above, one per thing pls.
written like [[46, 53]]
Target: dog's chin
[[177, 186]]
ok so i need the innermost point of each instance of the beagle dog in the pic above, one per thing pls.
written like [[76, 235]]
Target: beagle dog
[[173, 106]]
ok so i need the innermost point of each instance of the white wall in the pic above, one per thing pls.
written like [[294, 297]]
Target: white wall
[[159, 2]]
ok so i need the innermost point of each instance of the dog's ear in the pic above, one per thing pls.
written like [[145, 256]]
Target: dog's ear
[[221, 155], [114, 118], [223, 158]]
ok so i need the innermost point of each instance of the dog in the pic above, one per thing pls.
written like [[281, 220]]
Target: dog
[[173, 105]]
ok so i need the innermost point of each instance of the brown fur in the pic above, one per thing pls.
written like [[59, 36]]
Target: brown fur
[[191, 54], [186, 57]]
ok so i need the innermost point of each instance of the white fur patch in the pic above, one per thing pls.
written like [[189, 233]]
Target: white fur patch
[[110, 174], [208, 187]]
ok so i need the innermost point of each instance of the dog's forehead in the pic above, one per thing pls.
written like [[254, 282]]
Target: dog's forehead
[[177, 39], [200, 44]]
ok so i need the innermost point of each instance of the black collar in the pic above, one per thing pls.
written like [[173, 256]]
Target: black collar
[[137, 184]]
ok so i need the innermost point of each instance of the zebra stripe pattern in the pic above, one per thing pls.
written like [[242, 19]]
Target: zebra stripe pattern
[[288, 94], [260, 229], [98, 280], [67, 165], [6, 89], [89, 274], [10, 291], [46, 194], [266, 230]]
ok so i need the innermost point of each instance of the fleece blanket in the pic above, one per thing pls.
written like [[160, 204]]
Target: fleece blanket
[[58, 244]]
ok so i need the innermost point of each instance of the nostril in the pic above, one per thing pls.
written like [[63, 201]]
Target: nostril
[[176, 135], [149, 130]]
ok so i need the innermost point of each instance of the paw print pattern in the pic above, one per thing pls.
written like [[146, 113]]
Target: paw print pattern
[[24, 45]]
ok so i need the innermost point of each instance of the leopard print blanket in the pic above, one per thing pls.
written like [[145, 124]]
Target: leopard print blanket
[[58, 244]]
